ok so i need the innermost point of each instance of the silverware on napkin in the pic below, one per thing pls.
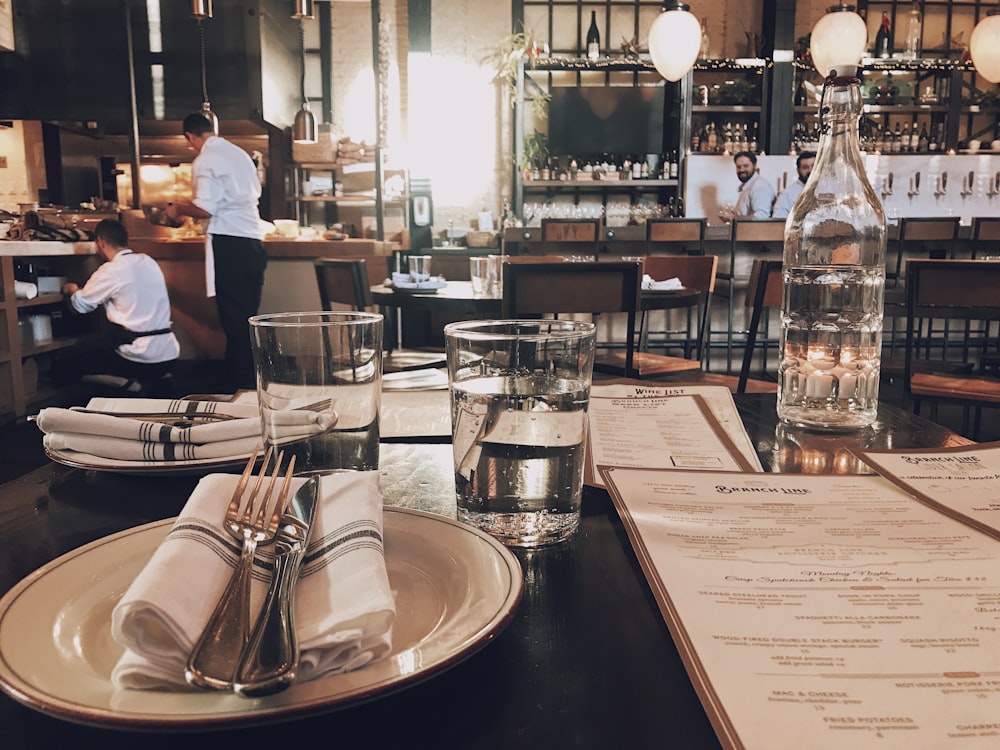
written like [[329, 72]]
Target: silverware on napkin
[[270, 659]]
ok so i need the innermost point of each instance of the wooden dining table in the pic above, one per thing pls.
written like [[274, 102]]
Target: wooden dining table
[[586, 661]]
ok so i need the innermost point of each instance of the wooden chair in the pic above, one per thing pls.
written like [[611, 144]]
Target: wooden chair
[[932, 237], [985, 236], [570, 237], [697, 275], [950, 291], [764, 290], [757, 236], [536, 289], [676, 236], [347, 282]]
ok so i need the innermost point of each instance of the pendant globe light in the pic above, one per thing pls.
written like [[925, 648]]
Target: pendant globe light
[[838, 39], [202, 9], [674, 41], [984, 46], [305, 128]]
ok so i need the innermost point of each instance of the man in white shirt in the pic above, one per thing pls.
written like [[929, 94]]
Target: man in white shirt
[[783, 205], [226, 192], [131, 289], [756, 196]]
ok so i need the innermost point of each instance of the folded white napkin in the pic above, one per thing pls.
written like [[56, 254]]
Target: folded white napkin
[[131, 439], [405, 281], [660, 286], [344, 607]]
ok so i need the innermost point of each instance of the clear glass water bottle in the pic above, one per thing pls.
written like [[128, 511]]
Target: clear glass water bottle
[[834, 278]]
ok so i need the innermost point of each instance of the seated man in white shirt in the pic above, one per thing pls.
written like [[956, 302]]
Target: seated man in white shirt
[[131, 288], [755, 197], [804, 166]]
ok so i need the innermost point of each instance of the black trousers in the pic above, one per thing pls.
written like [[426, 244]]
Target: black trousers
[[239, 279]]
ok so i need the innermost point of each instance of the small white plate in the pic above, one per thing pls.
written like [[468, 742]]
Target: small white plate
[[455, 586], [423, 287]]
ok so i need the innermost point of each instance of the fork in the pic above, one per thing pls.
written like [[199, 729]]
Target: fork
[[216, 654]]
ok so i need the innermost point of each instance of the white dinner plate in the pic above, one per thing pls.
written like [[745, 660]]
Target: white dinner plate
[[455, 588], [194, 466]]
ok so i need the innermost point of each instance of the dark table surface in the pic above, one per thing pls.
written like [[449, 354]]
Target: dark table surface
[[587, 661]]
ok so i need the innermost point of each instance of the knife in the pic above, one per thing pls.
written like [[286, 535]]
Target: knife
[[270, 660]]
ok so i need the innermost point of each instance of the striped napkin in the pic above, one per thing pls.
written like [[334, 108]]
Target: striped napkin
[[128, 438], [343, 604]]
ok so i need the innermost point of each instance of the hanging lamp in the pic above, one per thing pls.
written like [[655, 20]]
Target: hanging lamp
[[838, 39], [674, 41], [984, 46], [202, 9], [304, 128]]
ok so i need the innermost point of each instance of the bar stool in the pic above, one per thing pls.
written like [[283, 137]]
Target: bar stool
[[756, 236], [919, 236], [985, 230], [679, 236], [570, 237]]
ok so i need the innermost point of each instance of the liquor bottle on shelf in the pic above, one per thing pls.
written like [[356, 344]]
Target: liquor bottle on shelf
[[754, 141], [727, 138], [883, 39], [800, 93], [705, 41], [680, 207], [593, 39], [711, 139], [923, 142], [914, 139], [932, 141], [672, 174], [637, 164], [904, 143], [897, 140], [834, 273], [914, 31]]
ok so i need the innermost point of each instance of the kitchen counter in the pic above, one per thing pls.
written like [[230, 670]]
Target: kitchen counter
[[40, 247]]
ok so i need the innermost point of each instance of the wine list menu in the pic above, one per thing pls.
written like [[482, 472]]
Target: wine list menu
[[821, 611]]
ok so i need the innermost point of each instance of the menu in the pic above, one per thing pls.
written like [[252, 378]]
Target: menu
[[821, 611], [963, 482], [681, 427]]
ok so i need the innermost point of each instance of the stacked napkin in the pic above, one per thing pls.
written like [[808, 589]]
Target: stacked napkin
[[344, 607], [119, 436], [660, 286]]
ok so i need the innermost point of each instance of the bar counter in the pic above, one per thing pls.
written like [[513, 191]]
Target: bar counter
[[289, 283]]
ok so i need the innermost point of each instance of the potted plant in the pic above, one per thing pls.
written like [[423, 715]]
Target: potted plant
[[506, 55], [534, 153]]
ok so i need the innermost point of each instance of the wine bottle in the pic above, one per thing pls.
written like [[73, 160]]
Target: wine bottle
[[883, 39], [923, 142], [593, 38]]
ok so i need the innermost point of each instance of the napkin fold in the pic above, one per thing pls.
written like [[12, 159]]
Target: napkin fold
[[343, 604], [132, 439], [660, 286]]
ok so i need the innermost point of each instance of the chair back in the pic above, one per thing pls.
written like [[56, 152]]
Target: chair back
[[676, 235], [934, 236], [694, 271], [985, 229], [764, 291], [343, 281], [758, 230], [571, 236], [940, 291], [535, 289]]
